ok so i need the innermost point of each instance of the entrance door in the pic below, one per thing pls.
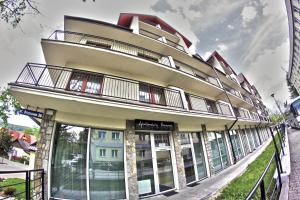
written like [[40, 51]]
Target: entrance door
[[187, 155], [154, 162]]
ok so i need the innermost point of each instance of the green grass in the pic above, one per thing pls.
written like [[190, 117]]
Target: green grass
[[19, 187], [242, 185]]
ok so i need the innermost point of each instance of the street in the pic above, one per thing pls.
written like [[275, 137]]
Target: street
[[12, 166]]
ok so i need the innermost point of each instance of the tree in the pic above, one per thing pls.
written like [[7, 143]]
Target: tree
[[35, 131], [276, 117], [8, 105], [292, 90], [6, 142], [12, 11]]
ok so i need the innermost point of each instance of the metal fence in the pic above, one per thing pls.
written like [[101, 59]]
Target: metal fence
[[98, 85], [32, 187], [269, 184]]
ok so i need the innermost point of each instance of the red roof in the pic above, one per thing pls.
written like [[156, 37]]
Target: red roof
[[220, 58], [125, 20], [22, 136]]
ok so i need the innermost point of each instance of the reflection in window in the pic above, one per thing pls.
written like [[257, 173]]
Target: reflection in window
[[184, 138], [151, 94], [106, 171], [198, 149], [85, 82], [161, 140], [68, 167], [144, 164]]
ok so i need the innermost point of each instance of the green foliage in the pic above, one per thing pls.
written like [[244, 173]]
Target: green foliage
[[6, 143], [12, 11], [9, 190], [8, 105], [24, 159], [242, 185], [35, 131], [18, 183], [276, 117], [292, 90]]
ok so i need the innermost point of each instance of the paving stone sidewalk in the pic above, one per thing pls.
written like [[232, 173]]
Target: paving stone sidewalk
[[208, 188], [294, 187]]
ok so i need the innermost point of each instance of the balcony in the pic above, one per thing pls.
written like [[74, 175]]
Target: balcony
[[200, 104], [85, 93], [159, 38], [132, 58], [96, 85]]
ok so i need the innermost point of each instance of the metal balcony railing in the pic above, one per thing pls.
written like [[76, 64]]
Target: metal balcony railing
[[33, 185], [194, 72], [110, 44], [204, 105], [96, 85], [159, 38]]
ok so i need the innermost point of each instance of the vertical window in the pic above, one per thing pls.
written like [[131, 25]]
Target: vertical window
[[114, 153], [106, 168], [85, 83], [151, 94], [211, 106], [115, 135], [161, 140], [199, 155], [68, 165], [101, 134], [102, 152]]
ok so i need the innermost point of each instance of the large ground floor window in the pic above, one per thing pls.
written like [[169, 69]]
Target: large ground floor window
[[219, 150], [236, 143], [154, 160], [87, 162]]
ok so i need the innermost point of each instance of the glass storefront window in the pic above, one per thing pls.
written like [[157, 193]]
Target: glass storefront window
[[106, 165], [200, 161], [219, 150], [161, 140], [236, 144], [144, 164], [165, 170], [188, 165], [68, 167]]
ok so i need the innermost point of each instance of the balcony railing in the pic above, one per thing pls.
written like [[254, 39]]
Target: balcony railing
[[204, 105], [103, 86], [110, 44], [114, 45], [159, 38], [191, 71]]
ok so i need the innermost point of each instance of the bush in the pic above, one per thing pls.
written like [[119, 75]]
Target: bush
[[24, 159], [9, 190]]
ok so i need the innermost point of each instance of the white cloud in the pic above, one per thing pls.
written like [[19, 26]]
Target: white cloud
[[230, 26], [222, 47], [248, 14], [206, 55]]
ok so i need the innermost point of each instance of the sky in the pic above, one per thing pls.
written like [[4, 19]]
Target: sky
[[252, 35]]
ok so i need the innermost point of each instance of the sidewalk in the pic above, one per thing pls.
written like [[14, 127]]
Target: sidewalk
[[294, 182], [210, 186], [12, 166]]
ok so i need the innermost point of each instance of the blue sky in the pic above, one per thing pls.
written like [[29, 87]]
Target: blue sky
[[251, 35]]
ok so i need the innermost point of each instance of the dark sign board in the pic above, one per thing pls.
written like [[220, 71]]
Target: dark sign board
[[153, 125], [31, 113]]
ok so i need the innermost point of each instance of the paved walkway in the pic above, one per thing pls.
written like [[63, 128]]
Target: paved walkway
[[294, 141], [210, 186], [12, 166]]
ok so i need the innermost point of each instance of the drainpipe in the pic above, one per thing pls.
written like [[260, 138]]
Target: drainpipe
[[236, 118]]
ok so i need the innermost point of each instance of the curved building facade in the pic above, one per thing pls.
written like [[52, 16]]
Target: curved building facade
[[129, 112]]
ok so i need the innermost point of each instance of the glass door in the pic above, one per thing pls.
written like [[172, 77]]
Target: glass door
[[199, 156], [164, 168], [154, 155], [187, 156]]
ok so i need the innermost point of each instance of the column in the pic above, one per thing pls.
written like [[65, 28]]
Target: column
[[229, 145], [131, 161], [208, 150], [43, 154], [179, 159]]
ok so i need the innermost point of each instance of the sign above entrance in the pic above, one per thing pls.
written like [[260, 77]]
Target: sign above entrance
[[31, 113], [153, 125]]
